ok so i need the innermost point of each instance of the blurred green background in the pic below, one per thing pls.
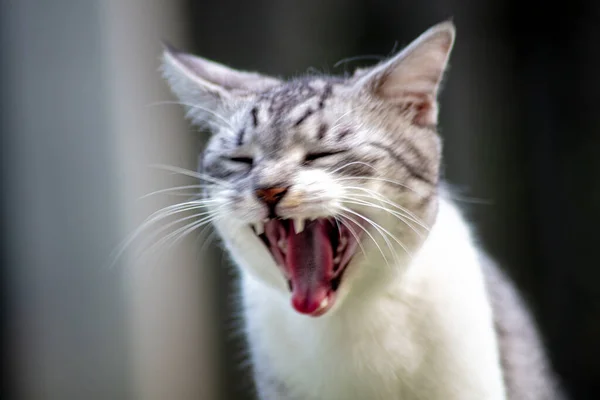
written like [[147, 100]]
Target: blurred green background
[[83, 114]]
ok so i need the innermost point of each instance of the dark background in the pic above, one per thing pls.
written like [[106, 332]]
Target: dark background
[[520, 119]]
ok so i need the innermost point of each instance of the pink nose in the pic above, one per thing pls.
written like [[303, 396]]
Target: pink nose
[[271, 196]]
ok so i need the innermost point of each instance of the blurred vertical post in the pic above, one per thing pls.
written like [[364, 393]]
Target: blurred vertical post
[[66, 326], [173, 350], [78, 132]]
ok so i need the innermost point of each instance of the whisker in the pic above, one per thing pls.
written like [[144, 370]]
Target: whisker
[[174, 209], [193, 174], [178, 221], [335, 123], [374, 178], [159, 215], [194, 106], [361, 198], [357, 58], [352, 163], [402, 211], [206, 222], [377, 226], [468, 199], [160, 230], [180, 233], [352, 231], [369, 234], [377, 196], [173, 189], [208, 240], [393, 213]]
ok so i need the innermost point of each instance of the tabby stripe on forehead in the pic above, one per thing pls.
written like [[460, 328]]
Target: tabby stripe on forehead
[[412, 169], [254, 113], [325, 95], [344, 133], [322, 131], [240, 138], [410, 147], [307, 114]]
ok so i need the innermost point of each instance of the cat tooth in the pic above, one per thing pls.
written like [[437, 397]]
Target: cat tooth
[[282, 244], [259, 228], [337, 260], [298, 224], [324, 304], [342, 245]]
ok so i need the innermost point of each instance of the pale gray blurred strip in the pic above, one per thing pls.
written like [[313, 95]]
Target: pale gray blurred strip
[[69, 337], [78, 82], [173, 329]]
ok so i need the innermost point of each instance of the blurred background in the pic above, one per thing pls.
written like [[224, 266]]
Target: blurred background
[[83, 115]]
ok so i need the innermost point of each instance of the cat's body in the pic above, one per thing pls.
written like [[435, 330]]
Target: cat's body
[[366, 283], [413, 341]]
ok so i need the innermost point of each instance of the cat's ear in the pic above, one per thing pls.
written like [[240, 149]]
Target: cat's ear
[[209, 90], [411, 79]]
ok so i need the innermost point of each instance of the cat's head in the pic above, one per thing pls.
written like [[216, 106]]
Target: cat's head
[[321, 186]]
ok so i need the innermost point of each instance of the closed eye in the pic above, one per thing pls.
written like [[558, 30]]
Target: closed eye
[[315, 156], [242, 160]]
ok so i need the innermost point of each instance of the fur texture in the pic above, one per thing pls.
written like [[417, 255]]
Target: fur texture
[[418, 314]]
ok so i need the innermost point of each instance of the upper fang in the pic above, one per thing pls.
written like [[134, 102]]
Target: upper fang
[[298, 225], [259, 228], [342, 244]]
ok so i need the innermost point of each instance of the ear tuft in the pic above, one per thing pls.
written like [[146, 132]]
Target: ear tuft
[[412, 78], [209, 90]]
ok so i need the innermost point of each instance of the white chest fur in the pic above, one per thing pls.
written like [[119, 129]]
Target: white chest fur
[[427, 336]]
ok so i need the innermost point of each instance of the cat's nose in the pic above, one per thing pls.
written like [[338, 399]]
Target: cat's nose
[[271, 195]]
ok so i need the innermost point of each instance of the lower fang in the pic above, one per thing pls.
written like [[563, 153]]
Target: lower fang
[[323, 305], [342, 245], [337, 260], [282, 244]]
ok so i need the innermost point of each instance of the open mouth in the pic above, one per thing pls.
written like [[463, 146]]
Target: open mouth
[[313, 256]]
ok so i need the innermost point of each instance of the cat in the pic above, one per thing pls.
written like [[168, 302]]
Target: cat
[[360, 278]]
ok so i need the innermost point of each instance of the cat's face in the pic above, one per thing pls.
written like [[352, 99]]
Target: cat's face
[[321, 187]]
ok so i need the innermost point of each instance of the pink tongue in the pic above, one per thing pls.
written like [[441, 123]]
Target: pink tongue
[[309, 261]]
